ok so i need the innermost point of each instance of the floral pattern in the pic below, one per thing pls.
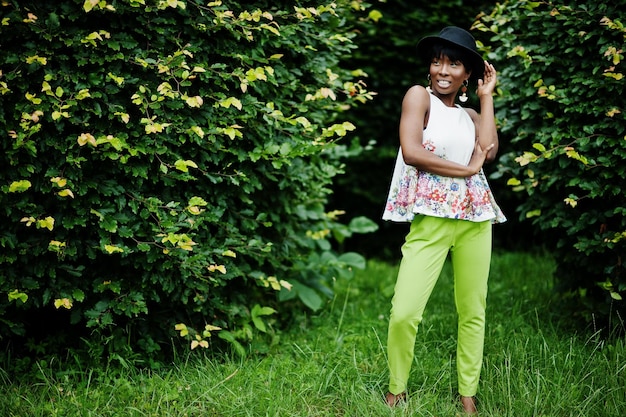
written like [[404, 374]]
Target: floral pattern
[[418, 192]]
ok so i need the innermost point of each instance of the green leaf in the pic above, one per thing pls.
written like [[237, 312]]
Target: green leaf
[[362, 224], [308, 296], [230, 338], [257, 312], [353, 259]]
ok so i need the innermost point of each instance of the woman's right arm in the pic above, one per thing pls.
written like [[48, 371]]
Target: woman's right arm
[[415, 107]]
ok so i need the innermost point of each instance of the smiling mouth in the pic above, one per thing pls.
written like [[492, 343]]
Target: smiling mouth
[[444, 83]]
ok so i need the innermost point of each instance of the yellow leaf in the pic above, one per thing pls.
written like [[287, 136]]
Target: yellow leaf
[[45, 87], [375, 15], [17, 295], [35, 116], [182, 165], [273, 282], [201, 343], [180, 327], [31, 18], [85, 138], [36, 58], [118, 80], [271, 28], [124, 116], [47, 223], [66, 193], [539, 147], [232, 132], [327, 92], [572, 202], [195, 101], [83, 94], [220, 268], [32, 98], [613, 112], [28, 220], [56, 244], [89, 5], [231, 101], [194, 210], [533, 213], [229, 253], [19, 186], [62, 302], [188, 246], [211, 328], [526, 158], [198, 131], [113, 249], [60, 182], [303, 121]]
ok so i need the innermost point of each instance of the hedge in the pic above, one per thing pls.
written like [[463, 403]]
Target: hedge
[[562, 116], [166, 167]]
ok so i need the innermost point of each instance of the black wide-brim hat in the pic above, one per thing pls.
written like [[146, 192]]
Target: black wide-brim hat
[[456, 37]]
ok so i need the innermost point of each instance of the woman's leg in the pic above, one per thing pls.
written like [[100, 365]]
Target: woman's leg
[[471, 258], [423, 255]]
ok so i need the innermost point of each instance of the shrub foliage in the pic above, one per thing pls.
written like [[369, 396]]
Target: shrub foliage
[[168, 163], [562, 109]]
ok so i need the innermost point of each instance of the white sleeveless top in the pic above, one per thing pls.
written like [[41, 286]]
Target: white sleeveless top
[[450, 134]]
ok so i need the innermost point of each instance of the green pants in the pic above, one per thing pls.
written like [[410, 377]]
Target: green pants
[[423, 255]]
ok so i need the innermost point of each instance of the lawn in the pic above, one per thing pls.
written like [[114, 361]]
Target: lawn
[[332, 363]]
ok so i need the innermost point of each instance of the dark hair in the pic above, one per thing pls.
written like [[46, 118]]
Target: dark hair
[[454, 54]]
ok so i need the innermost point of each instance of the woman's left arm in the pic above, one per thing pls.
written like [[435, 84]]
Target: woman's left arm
[[486, 132]]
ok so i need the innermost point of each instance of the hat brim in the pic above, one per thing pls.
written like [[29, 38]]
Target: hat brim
[[477, 64]]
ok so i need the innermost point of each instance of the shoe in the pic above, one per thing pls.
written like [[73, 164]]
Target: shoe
[[394, 399], [469, 405]]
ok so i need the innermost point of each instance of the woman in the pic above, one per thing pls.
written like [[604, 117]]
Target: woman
[[438, 185]]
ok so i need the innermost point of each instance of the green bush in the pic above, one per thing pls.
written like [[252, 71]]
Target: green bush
[[168, 163], [562, 109]]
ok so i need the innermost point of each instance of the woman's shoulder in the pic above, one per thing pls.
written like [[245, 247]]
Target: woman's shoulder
[[418, 90], [417, 94]]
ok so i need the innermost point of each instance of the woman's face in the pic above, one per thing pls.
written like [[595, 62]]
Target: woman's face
[[447, 76]]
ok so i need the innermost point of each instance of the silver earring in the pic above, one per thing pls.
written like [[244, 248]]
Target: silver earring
[[429, 83], [463, 97]]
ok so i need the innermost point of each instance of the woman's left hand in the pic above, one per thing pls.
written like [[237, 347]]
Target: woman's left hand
[[487, 85]]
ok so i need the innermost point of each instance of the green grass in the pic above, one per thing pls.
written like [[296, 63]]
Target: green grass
[[333, 363]]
